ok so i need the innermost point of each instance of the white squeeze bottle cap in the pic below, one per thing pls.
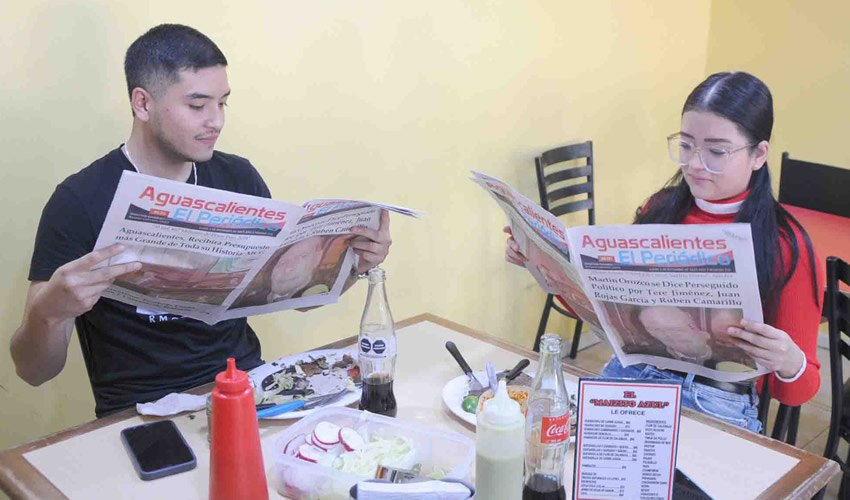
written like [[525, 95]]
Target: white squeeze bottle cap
[[501, 410]]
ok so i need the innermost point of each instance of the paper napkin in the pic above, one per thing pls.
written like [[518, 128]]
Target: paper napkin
[[172, 404]]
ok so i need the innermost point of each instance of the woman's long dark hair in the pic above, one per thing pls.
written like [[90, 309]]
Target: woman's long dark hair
[[745, 101]]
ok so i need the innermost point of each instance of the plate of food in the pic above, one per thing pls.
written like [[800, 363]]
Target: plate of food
[[307, 375], [465, 408]]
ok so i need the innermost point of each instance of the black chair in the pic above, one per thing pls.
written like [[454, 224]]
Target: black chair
[[556, 171], [787, 418], [814, 186], [838, 315]]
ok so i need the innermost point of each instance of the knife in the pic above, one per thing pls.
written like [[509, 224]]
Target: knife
[[514, 372], [301, 403], [475, 387]]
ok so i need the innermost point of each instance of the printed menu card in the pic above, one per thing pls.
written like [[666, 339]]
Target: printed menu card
[[627, 434]]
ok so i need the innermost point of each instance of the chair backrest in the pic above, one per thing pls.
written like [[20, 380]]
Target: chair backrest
[[838, 315], [552, 179], [814, 186], [786, 421]]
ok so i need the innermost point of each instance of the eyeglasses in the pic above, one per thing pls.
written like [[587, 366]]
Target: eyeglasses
[[714, 159]]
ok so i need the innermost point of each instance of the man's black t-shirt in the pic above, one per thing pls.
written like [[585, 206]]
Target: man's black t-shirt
[[134, 355]]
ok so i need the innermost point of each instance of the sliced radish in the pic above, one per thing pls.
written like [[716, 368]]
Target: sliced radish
[[318, 445], [309, 453], [336, 450], [350, 439], [322, 446], [309, 440], [326, 434], [292, 446]]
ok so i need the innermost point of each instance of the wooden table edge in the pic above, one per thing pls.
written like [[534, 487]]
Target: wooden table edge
[[819, 470], [21, 480]]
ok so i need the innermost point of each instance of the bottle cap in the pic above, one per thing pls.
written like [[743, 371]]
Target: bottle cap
[[376, 275], [550, 342], [501, 410], [231, 380]]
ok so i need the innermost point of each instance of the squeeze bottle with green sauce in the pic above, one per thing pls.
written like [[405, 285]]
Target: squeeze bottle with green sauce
[[499, 448]]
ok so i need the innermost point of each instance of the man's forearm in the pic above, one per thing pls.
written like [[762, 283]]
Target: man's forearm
[[39, 347]]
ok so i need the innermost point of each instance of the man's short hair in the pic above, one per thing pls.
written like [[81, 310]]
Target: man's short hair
[[155, 58]]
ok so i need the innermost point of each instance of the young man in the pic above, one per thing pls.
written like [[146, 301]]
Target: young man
[[177, 81]]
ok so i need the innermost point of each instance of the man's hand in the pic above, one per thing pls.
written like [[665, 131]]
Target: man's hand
[[75, 287], [39, 346], [512, 252], [372, 246]]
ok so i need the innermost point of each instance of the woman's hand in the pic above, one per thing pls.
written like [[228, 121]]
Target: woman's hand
[[512, 252], [770, 347]]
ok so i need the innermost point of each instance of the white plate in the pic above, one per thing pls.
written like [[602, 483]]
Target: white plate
[[259, 373], [455, 390]]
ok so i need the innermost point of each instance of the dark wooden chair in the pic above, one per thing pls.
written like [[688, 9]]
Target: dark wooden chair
[[814, 186], [787, 418], [838, 314], [562, 186]]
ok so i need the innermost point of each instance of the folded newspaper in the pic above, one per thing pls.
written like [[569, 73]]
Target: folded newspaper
[[211, 255], [663, 294]]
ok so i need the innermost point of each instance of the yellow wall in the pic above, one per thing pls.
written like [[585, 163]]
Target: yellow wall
[[390, 101], [802, 52]]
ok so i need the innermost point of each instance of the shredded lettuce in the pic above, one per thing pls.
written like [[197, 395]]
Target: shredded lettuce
[[438, 473], [398, 453], [282, 381]]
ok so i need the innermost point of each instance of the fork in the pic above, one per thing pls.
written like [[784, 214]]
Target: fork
[[306, 404]]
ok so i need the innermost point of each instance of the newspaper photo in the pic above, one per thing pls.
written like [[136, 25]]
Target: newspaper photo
[[663, 294], [210, 254]]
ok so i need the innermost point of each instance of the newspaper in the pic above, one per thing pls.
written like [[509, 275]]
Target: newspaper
[[211, 254], [663, 294]]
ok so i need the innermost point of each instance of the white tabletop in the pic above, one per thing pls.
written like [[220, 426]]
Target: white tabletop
[[90, 463]]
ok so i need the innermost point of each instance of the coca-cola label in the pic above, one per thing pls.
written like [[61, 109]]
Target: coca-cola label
[[555, 429]]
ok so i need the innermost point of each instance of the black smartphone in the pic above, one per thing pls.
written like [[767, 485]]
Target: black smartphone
[[157, 449]]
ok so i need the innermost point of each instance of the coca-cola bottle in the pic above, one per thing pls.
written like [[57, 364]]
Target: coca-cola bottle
[[547, 430], [377, 349]]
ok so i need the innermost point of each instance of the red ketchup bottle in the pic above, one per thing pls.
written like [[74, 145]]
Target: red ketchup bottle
[[236, 458]]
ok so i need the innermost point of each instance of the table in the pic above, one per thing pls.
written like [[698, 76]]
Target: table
[[732, 461]]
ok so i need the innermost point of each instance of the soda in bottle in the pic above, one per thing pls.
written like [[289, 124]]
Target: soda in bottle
[[377, 347], [547, 426]]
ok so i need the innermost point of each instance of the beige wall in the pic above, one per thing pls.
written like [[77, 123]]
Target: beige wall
[[802, 52], [391, 101]]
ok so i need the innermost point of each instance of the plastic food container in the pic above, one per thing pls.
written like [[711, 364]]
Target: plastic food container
[[441, 453], [353, 491]]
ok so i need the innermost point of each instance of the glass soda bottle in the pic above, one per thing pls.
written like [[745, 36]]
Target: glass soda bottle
[[547, 429], [377, 349]]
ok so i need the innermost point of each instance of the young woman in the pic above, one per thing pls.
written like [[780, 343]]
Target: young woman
[[722, 151]]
